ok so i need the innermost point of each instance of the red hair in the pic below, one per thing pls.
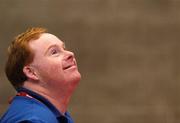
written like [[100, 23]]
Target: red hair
[[20, 54]]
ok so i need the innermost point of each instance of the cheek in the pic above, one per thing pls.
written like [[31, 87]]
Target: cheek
[[50, 69]]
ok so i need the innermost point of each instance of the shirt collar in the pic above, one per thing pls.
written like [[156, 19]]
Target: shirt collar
[[41, 99]]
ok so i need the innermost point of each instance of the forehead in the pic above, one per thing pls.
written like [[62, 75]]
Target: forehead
[[45, 40]]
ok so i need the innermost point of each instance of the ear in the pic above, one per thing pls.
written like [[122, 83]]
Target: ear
[[30, 72]]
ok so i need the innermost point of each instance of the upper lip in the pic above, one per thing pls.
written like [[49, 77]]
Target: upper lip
[[69, 65]]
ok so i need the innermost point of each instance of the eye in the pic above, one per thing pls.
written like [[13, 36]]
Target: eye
[[54, 51]]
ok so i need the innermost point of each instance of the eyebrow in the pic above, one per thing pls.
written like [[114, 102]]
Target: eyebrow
[[54, 45]]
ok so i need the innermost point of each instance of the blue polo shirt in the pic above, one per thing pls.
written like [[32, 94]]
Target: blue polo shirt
[[24, 109]]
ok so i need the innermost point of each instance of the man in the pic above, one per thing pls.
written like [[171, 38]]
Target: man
[[45, 74]]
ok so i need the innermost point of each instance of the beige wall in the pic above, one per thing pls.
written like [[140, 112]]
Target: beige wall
[[127, 50]]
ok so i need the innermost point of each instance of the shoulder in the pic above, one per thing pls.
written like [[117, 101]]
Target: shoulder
[[30, 120], [27, 110]]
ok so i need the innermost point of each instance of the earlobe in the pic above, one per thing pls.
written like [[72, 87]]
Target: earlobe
[[30, 73]]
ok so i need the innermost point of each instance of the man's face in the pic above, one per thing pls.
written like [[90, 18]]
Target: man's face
[[52, 63]]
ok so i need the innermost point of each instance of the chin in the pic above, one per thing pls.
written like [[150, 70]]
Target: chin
[[74, 82], [75, 79]]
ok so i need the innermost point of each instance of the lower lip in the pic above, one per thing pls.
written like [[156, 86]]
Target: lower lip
[[72, 67]]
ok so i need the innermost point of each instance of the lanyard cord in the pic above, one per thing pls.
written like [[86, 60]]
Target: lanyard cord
[[23, 94]]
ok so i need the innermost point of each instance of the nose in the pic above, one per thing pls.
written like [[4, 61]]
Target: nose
[[69, 55]]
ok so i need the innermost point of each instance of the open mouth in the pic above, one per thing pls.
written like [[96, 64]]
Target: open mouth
[[69, 66]]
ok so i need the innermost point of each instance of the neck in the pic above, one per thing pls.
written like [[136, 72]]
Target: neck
[[59, 99]]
